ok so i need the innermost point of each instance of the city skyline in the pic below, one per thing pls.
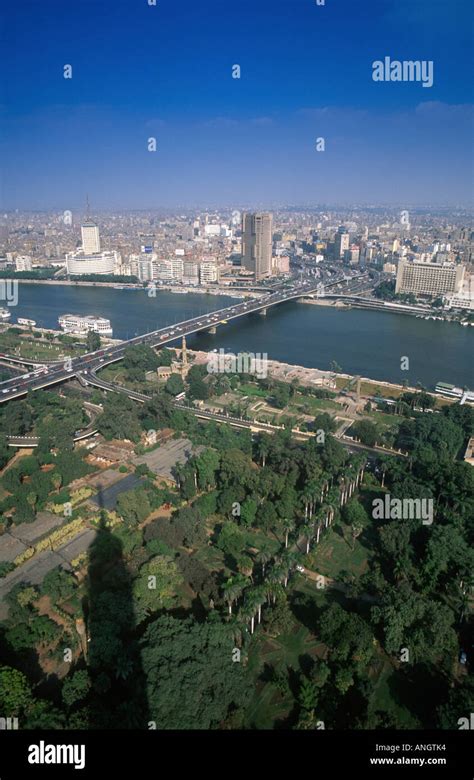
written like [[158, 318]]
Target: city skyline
[[139, 74]]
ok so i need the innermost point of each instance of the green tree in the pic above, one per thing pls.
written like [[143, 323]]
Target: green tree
[[231, 540], [308, 694], [192, 681], [133, 506], [207, 466], [15, 692], [365, 431], [75, 688], [156, 586], [93, 341], [174, 385], [410, 620]]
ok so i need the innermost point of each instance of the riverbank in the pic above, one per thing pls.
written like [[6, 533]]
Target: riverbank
[[326, 380], [231, 292], [420, 311]]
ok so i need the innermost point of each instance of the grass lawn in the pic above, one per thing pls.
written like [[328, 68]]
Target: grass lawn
[[382, 697], [287, 649], [115, 373], [387, 420], [33, 349], [256, 538], [333, 555], [268, 704], [313, 405], [253, 390], [372, 388], [38, 350]]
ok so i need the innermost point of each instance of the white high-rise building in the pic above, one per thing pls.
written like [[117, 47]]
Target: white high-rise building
[[163, 271], [23, 263], [208, 272], [90, 238], [341, 242], [177, 269]]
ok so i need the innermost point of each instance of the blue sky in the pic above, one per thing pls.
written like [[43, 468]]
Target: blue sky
[[165, 71]]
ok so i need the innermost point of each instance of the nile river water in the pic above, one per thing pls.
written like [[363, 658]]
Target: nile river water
[[368, 343]]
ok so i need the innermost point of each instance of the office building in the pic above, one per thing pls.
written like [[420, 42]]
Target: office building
[[352, 256], [190, 272], [90, 238], [429, 278], [257, 244], [23, 263], [208, 272], [177, 269], [341, 243]]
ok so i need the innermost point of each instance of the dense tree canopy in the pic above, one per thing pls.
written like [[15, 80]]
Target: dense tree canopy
[[192, 682]]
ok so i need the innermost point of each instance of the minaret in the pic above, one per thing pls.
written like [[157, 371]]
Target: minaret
[[184, 356]]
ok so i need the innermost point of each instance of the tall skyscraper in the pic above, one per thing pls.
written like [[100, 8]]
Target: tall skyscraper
[[257, 244], [90, 238], [341, 242]]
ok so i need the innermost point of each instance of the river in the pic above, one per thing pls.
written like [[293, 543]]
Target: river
[[369, 343]]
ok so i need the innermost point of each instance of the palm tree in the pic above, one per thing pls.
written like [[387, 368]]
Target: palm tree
[[288, 561], [308, 530], [305, 500], [332, 501], [259, 596], [314, 490], [233, 589], [262, 447], [288, 526], [342, 489], [178, 473], [280, 573], [358, 465], [57, 480], [252, 605], [273, 590], [229, 594], [324, 487], [263, 557], [247, 614]]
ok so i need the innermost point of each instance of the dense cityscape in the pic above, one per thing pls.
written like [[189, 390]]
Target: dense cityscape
[[237, 430]]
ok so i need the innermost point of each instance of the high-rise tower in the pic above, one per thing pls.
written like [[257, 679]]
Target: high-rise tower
[[257, 244], [90, 238], [90, 235]]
